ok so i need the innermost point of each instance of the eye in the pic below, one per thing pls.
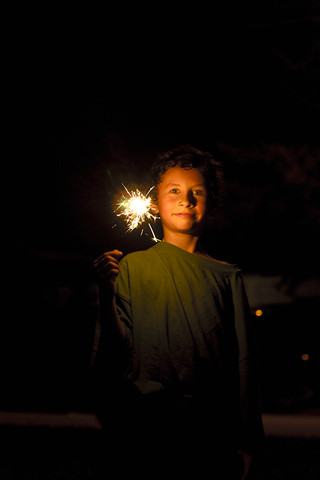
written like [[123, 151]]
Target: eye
[[197, 192], [174, 190]]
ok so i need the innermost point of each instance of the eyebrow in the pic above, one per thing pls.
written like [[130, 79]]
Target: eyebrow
[[178, 185]]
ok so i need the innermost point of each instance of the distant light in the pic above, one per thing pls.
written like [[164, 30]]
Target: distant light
[[305, 357], [259, 313]]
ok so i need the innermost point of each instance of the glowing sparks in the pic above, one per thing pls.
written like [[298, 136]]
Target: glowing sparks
[[136, 209]]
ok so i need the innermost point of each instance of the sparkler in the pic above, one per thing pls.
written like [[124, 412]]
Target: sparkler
[[135, 208]]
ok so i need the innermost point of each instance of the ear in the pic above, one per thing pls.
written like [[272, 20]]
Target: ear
[[154, 208]]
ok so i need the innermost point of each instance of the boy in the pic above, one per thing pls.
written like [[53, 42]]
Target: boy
[[180, 325]]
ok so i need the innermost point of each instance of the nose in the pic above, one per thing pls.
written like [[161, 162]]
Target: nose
[[188, 200]]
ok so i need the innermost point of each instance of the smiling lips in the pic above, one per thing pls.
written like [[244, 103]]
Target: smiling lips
[[184, 215]]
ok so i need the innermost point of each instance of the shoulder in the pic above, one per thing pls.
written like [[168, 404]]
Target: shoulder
[[220, 266], [220, 261], [225, 267]]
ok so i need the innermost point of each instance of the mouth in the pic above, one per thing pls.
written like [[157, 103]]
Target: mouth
[[184, 215]]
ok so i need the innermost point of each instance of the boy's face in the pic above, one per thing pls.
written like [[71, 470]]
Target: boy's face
[[182, 198]]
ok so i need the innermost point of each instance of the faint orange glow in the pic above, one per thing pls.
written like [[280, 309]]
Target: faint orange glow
[[259, 313], [305, 357]]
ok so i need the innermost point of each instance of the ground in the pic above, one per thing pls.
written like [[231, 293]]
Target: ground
[[68, 453]]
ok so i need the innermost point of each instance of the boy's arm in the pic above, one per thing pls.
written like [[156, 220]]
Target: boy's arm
[[252, 429], [112, 330], [109, 318]]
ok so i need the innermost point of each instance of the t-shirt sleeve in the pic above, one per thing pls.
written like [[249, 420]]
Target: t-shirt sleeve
[[251, 423]]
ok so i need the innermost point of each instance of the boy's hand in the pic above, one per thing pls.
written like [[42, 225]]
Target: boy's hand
[[107, 267]]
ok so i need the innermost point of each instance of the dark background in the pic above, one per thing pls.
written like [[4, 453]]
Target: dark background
[[93, 97], [241, 82]]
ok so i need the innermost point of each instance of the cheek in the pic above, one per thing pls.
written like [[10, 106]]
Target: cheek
[[202, 206], [164, 210], [166, 205]]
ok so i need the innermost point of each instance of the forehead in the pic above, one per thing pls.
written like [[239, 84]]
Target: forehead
[[178, 175]]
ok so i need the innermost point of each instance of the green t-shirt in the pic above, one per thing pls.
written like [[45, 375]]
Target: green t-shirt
[[188, 329], [186, 316]]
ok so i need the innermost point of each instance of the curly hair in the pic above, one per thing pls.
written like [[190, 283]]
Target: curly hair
[[189, 157]]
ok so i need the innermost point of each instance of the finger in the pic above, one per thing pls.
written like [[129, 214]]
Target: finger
[[114, 273], [104, 260], [110, 276], [115, 254], [101, 258], [106, 267]]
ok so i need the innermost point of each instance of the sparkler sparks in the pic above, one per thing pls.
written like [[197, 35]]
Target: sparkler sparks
[[135, 208]]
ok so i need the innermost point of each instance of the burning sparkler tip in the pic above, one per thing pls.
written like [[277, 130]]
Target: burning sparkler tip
[[136, 208]]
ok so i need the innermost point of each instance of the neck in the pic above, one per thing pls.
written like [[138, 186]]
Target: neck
[[189, 243]]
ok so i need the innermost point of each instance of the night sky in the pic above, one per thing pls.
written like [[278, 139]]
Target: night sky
[[93, 102]]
